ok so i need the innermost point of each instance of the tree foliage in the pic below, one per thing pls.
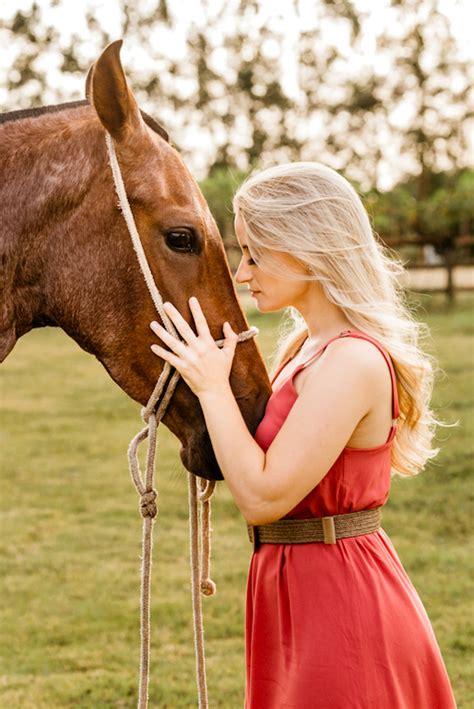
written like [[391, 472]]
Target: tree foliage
[[444, 218], [220, 79], [245, 83]]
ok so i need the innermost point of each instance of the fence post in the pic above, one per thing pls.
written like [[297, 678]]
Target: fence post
[[449, 261]]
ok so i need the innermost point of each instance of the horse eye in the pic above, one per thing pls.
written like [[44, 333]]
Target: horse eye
[[180, 241]]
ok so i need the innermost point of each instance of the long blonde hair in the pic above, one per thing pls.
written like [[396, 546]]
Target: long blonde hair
[[312, 213]]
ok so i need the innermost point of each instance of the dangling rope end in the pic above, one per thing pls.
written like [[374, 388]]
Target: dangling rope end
[[248, 334], [205, 489], [208, 587]]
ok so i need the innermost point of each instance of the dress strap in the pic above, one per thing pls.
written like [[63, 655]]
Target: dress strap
[[369, 338], [300, 366], [303, 364], [361, 336]]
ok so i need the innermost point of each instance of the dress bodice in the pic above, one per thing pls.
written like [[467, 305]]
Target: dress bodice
[[360, 477]]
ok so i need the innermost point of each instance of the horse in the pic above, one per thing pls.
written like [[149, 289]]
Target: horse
[[66, 259]]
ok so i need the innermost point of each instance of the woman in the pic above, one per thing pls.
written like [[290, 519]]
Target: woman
[[333, 622]]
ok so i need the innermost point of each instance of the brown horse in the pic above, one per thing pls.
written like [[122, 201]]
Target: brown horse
[[66, 258]]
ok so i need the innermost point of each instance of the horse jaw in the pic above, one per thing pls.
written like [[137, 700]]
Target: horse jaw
[[7, 342]]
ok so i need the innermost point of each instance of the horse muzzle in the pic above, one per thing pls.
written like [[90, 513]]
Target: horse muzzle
[[199, 459]]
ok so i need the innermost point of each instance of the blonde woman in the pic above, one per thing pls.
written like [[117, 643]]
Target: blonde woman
[[333, 620]]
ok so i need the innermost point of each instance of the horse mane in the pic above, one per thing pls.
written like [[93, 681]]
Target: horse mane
[[56, 108]]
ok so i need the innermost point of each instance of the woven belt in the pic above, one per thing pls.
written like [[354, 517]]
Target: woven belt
[[315, 529]]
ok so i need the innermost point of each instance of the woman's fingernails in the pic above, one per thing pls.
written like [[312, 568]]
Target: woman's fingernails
[[153, 324]]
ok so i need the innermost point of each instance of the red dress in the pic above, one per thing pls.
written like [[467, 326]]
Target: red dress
[[339, 626]]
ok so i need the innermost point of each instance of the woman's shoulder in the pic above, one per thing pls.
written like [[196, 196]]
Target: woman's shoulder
[[350, 358], [362, 349]]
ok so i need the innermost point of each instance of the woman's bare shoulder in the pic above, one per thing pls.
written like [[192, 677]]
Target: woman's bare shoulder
[[350, 357], [362, 352]]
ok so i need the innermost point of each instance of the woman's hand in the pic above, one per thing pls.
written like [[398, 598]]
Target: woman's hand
[[202, 364]]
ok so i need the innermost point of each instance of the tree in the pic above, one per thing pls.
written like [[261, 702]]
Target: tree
[[220, 82], [218, 189], [433, 76]]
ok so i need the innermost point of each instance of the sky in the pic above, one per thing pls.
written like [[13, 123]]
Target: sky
[[69, 17]]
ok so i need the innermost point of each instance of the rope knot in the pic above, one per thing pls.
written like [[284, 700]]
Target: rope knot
[[148, 505]]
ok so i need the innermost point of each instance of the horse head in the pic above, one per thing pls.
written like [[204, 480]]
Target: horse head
[[67, 259]]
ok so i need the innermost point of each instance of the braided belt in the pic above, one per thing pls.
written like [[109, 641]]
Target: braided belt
[[315, 529]]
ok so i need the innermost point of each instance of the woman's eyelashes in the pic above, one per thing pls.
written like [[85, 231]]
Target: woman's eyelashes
[[248, 261]]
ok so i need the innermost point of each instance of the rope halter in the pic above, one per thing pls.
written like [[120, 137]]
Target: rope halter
[[199, 491]]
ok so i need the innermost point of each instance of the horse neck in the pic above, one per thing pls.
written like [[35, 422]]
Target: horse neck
[[48, 165]]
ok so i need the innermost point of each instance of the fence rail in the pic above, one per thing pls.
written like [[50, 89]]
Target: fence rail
[[440, 278]]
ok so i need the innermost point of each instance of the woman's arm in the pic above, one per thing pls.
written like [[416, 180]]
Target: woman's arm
[[334, 399]]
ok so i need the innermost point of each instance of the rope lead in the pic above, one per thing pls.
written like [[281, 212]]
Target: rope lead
[[200, 579]]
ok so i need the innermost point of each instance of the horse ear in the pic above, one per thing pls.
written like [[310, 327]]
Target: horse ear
[[107, 89], [89, 83]]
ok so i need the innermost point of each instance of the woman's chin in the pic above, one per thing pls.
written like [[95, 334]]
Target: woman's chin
[[264, 306], [270, 307]]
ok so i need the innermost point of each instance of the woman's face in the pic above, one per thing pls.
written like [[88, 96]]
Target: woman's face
[[269, 292]]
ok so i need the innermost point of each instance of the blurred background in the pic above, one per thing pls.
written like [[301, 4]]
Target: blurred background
[[379, 90]]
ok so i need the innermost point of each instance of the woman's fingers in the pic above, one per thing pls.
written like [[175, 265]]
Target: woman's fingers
[[173, 343], [201, 323], [182, 326], [180, 323], [167, 356], [231, 338], [200, 363]]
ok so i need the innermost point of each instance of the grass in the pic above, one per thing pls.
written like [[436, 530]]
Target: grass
[[70, 535]]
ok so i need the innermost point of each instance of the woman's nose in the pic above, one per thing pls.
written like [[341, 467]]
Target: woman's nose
[[242, 275]]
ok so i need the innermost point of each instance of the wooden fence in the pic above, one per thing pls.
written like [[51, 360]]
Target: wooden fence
[[440, 278]]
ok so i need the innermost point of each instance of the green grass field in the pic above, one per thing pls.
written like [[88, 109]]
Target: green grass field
[[71, 531]]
